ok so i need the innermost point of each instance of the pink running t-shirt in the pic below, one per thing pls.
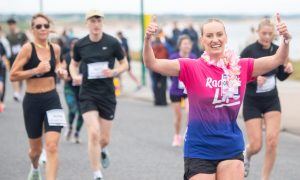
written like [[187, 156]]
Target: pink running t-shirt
[[212, 131]]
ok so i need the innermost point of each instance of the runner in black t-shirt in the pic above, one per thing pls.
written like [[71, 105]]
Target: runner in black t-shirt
[[97, 53], [2, 75], [16, 40], [261, 100]]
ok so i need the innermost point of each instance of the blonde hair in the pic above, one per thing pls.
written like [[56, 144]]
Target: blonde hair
[[265, 22], [40, 15], [209, 21]]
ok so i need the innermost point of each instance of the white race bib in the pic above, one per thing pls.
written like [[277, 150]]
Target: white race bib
[[16, 49], [95, 70], [56, 117], [267, 86]]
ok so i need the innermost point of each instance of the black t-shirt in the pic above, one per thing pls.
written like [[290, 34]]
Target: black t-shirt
[[256, 50], [87, 52], [2, 53], [16, 41]]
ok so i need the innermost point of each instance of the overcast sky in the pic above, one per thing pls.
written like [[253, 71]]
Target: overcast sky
[[188, 7]]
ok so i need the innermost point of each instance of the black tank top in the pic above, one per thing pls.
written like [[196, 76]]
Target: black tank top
[[34, 62]]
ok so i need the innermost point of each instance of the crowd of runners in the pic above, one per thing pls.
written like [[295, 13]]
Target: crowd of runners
[[211, 82]]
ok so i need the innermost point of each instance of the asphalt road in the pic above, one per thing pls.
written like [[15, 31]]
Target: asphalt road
[[140, 148]]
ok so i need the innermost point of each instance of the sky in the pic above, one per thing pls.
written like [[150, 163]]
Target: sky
[[188, 7]]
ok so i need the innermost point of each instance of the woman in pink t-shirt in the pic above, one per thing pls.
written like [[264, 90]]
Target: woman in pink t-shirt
[[215, 84]]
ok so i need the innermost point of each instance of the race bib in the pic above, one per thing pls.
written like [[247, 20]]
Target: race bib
[[56, 117], [269, 85], [15, 49], [95, 70]]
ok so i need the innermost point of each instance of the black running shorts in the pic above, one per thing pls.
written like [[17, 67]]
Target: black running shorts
[[105, 107], [194, 166], [175, 98], [255, 107], [35, 106]]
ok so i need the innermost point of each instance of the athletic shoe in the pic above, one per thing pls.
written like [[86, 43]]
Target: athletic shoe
[[99, 178], [43, 158], [105, 158], [177, 141], [68, 134], [76, 138], [246, 164], [34, 174], [17, 97], [139, 87]]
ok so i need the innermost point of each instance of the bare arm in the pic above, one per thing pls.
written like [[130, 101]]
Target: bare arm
[[74, 69], [268, 63], [17, 73], [162, 66]]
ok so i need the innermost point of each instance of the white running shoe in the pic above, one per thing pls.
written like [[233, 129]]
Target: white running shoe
[[34, 174], [105, 158], [43, 157], [68, 134], [177, 141]]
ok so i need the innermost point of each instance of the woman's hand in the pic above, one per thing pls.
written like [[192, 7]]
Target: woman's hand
[[152, 28], [282, 28], [288, 68], [43, 67], [62, 73]]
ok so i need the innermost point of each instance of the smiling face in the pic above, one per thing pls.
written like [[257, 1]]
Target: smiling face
[[266, 34], [40, 28], [214, 38]]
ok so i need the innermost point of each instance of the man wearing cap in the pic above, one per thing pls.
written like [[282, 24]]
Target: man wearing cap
[[97, 52], [16, 40]]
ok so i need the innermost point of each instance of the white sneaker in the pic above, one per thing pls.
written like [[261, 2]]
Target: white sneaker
[[34, 174], [43, 158], [177, 141], [17, 97], [105, 158], [68, 134]]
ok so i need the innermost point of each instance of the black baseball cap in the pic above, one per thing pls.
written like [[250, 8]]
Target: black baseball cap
[[11, 21]]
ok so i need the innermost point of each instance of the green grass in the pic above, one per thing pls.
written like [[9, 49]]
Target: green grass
[[296, 73]]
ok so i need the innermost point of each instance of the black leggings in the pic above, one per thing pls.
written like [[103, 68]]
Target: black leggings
[[3, 75], [35, 107]]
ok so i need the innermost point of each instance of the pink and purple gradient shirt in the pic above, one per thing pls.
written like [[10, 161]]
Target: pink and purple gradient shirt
[[212, 131]]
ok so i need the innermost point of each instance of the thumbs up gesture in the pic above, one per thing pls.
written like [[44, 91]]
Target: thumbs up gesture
[[282, 28], [152, 28]]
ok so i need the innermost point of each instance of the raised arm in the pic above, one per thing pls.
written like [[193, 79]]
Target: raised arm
[[268, 63], [162, 66]]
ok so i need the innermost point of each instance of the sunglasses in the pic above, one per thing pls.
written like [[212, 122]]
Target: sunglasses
[[39, 26]]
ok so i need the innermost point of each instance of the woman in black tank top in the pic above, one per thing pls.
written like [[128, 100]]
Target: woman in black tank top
[[38, 63]]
